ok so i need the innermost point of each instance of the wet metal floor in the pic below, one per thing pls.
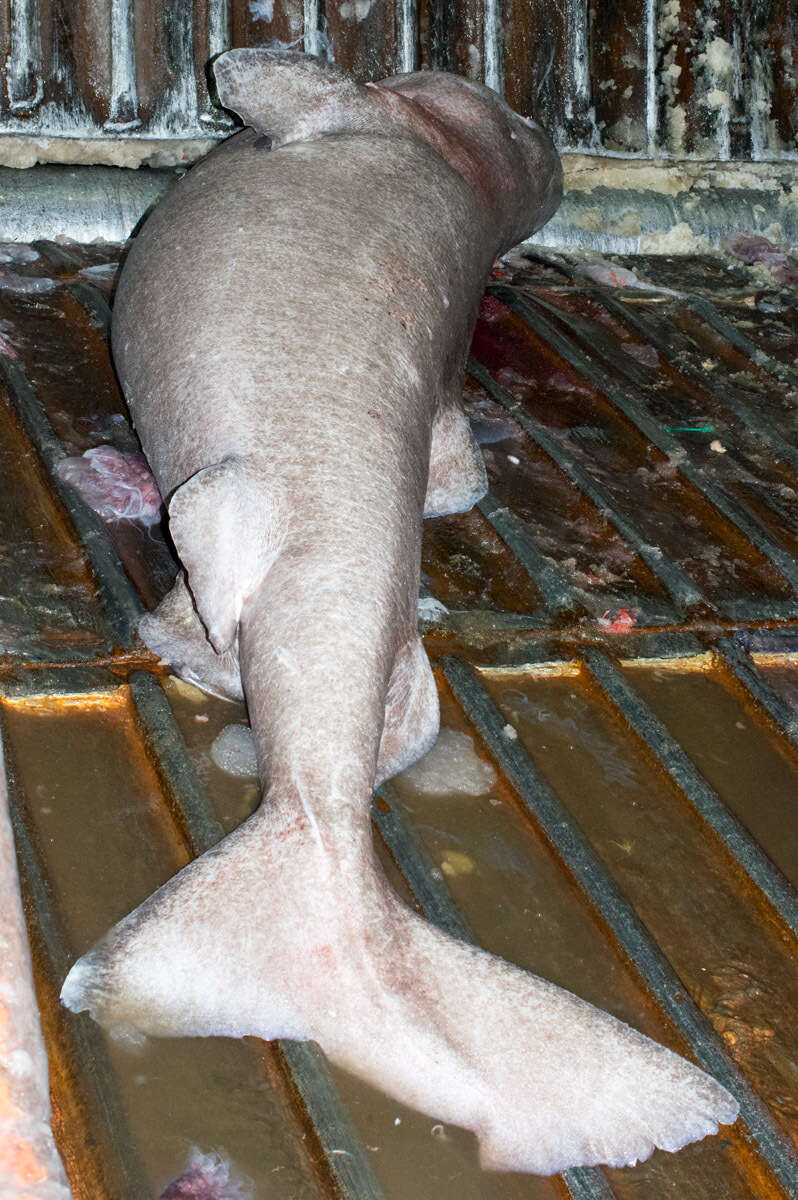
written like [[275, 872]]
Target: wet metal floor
[[615, 628]]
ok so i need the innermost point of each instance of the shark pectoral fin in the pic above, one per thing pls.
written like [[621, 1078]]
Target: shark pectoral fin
[[412, 713], [224, 530], [457, 477]]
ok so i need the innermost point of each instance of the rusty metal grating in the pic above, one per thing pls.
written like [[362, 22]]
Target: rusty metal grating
[[630, 671]]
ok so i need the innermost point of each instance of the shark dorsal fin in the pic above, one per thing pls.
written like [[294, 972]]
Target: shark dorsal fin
[[289, 95]]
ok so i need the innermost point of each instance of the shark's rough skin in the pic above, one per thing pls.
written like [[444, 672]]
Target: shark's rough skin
[[290, 330]]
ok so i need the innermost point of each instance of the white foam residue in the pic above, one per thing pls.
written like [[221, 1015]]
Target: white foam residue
[[719, 57], [19, 1062], [261, 10], [233, 751], [669, 20], [359, 9], [678, 123], [451, 766], [17, 253], [609, 273], [717, 98], [679, 239], [430, 609], [22, 151]]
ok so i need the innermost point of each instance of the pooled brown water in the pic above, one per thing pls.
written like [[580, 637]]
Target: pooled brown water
[[724, 946], [107, 847], [734, 752], [106, 838], [98, 809]]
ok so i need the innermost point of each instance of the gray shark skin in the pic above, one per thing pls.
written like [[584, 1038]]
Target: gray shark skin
[[290, 330]]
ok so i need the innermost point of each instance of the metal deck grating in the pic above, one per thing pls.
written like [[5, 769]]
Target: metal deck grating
[[620, 624]]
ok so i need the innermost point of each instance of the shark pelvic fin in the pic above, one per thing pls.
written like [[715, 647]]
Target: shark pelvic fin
[[457, 477], [227, 535]]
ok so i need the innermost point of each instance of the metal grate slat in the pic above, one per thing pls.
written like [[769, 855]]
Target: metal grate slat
[[312, 19], [496, 637], [626, 366], [95, 305], [558, 594], [191, 805], [493, 35], [718, 322], [744, 670], [749, 416], [680, 586], [598, 885], [631, 409], [407, 46], [120, 601], [741, 845], [416, 865], [24, 73], [587, 1183], [218, 30], [701, 305]]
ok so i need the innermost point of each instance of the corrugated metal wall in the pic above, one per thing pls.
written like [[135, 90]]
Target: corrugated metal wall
[[646, 78]]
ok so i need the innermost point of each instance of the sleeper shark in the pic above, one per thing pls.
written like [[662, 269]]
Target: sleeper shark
[[290, 329]]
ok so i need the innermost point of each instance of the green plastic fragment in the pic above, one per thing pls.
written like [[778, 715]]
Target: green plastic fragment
[[689, 428]]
